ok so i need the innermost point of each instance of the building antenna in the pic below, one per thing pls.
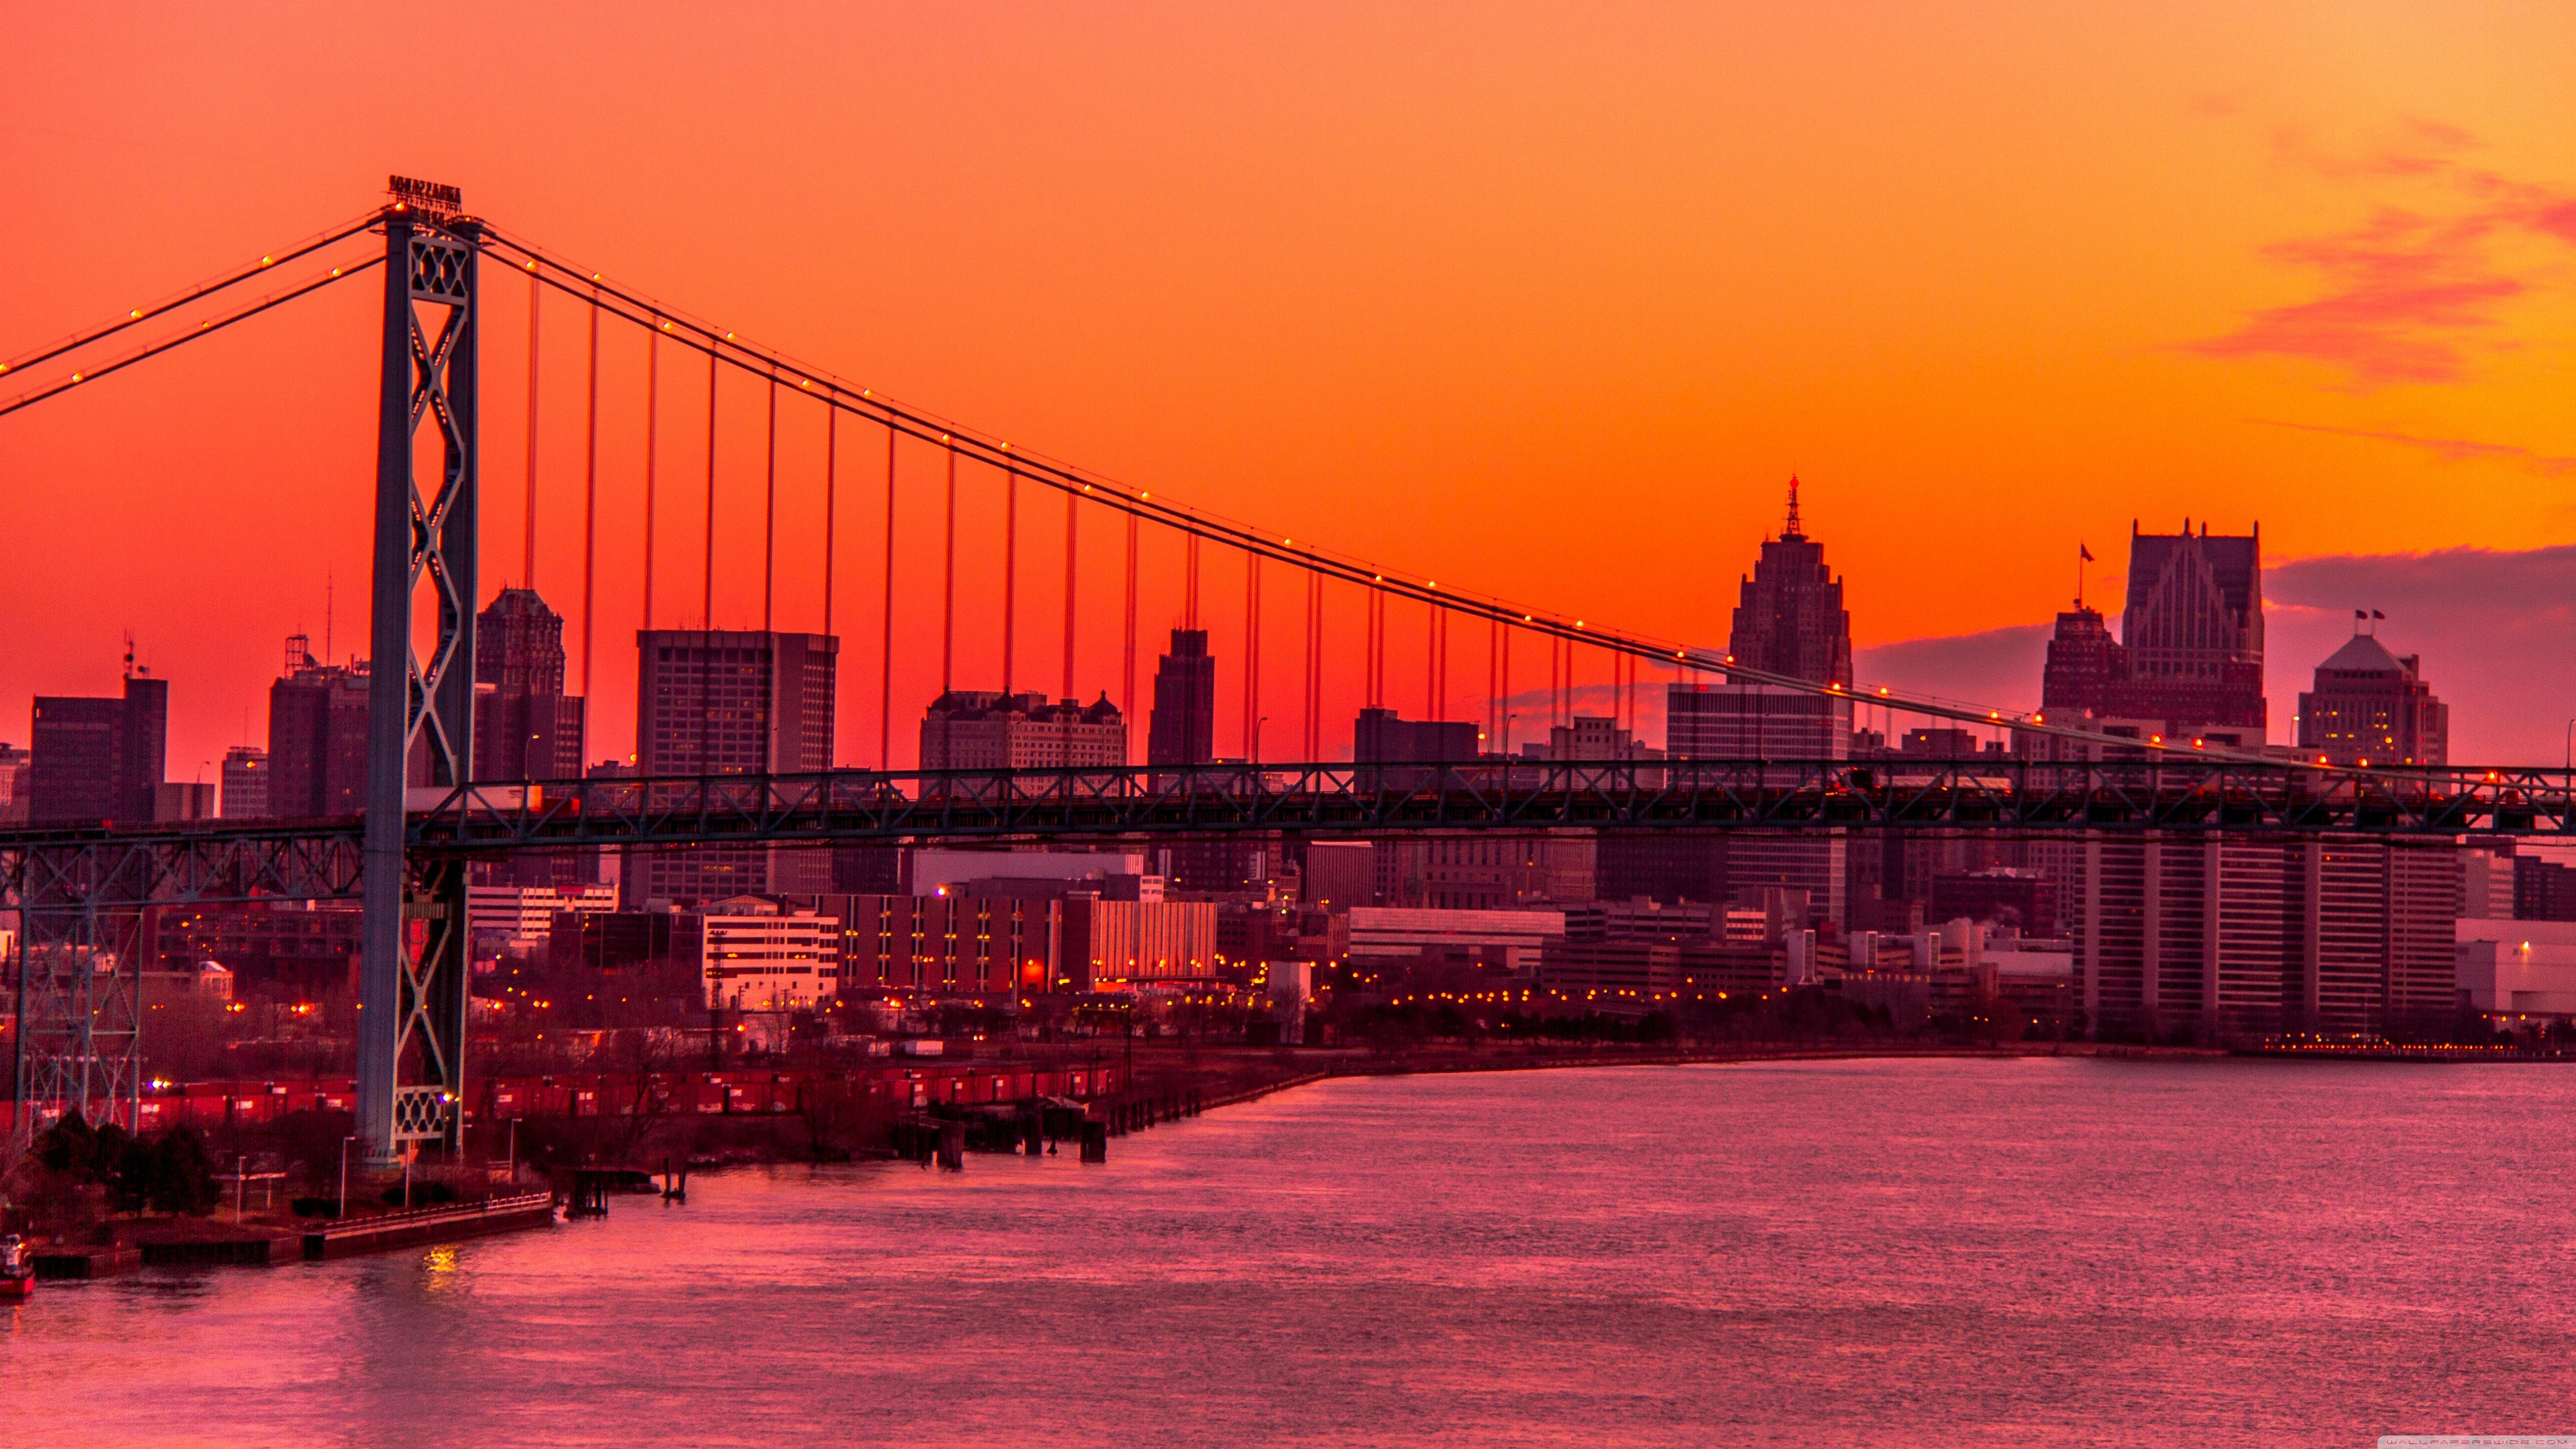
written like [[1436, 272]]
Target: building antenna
[[326, 616], [1791, 529], [129, 654]]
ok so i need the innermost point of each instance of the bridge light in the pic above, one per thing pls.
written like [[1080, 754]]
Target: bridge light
[[139, 311], [264, 261]]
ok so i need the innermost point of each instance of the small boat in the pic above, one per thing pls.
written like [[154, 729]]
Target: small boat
[[17, 1269]]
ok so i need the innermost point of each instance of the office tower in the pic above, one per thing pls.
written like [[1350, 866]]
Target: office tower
[[1339, 874], [1182, 728], [245, 782], [2225, 938], [2085, 665], [2368, 705], [317, 737], [1789, 618], [99, 758], [972, 729], [1383, 737], [2193, 633], [17, 771], [730, 702], [183, 800], [525, 726]]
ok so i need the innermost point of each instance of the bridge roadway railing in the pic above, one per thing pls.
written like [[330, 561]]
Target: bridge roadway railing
[[319, 859], [2175, 794]]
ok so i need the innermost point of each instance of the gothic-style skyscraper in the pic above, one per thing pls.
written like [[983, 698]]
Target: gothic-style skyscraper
[[1790, 617], [525, 726], [2193, 632]]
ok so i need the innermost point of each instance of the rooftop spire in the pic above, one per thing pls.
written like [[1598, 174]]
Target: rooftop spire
[[1790, 529]]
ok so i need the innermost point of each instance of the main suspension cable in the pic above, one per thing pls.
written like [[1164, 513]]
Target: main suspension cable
[[200, 292], [202, 329]]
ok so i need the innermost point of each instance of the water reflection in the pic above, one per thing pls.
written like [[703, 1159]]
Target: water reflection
[[2015, 1252]]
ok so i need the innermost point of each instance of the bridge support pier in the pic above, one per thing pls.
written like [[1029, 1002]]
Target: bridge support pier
[[420, 723]]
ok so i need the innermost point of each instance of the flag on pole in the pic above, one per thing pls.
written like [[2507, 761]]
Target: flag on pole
[[2375, 614], [2083, 553]]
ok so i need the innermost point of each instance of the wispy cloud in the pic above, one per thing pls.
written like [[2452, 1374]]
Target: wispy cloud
[[2452, 450], [2409, 290]]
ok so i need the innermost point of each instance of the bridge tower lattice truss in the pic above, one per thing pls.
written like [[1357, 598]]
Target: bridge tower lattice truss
[[413, 948]]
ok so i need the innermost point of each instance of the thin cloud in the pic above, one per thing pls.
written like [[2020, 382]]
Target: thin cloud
[[2451, 450], [2408, 291]]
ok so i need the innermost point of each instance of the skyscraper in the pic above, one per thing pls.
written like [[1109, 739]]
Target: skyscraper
[[2369, 704], [1789, 619], [245, 783], [1182, 727], [1789, 616], [731, 702], [2085, 664], [317, 736], [2193, 632], [525, 726], [99, 758]]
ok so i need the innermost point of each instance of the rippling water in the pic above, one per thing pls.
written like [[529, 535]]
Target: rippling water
[[1882, 1253]]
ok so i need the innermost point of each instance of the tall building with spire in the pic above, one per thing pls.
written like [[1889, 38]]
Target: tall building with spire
[[1789, 615], [1789, 620]]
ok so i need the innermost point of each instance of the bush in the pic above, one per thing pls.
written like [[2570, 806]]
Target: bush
[[315, 1207]]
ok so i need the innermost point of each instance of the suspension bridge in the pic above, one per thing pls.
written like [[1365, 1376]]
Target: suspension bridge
[[78, 889]]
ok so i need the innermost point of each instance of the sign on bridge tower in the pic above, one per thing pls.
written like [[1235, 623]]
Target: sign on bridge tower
[[413, 962]]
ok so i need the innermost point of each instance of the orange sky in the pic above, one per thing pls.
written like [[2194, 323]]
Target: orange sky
[[1546, 300]]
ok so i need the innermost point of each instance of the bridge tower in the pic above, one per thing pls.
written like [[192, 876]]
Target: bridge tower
[[420, 724]]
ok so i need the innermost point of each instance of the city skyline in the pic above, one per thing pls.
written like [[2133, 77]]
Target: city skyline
[[2255, 349]]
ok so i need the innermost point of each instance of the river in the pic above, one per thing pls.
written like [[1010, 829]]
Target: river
[[1916, 1252]]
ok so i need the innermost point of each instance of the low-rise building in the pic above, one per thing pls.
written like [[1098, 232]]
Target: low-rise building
[[2518, 968], [762, 956], [522, 918]]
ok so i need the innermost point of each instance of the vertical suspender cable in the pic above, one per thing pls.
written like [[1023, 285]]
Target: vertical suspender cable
[[831, 501], [1072, 519], [590, 500], [769, 523], [1010, 573], [1190, 587], [1493, 681], [1127, 685], [1503, 706], [707, 605], [948, 584], [591, 491], [528, 557], [1431, 662], [1251, 655], [1314, 589], [885, 652], [652, 439]]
